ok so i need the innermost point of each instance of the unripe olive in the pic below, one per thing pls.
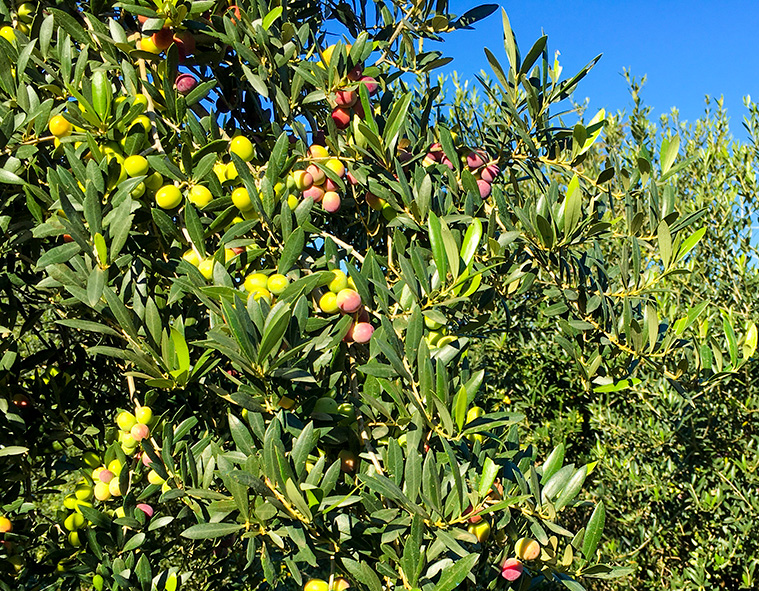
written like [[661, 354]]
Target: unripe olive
[[83, 492], [256, 281], [168, 197], [136, 165], [340, 281], [73, 522], [328, 303], [325, 406], [91, 459], [474, 413], [316, 585], [336, 166], [243, 147], [144, 415], [277, 283], [102, 491], [317, 152], [200, 196], [206, 268], [115, 467], [155, 478], [432, 324], [125, 420], [114, 487], [481, 531]]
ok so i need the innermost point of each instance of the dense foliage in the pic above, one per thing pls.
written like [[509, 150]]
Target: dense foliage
[[676, 461], [243, 266]]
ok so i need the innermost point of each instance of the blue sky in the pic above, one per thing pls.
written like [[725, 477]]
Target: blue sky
[[686, 49]]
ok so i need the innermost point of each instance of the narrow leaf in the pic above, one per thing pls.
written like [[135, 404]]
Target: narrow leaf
[[593, 531]]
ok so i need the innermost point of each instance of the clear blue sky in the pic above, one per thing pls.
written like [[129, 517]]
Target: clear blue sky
[[687, 49]]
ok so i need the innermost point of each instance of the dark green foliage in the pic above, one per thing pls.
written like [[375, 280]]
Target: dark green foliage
[[290, 441], [676, 462]]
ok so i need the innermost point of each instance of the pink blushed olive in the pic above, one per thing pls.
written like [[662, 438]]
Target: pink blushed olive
[[146, 509], [436, 152], [352, 179], [489, 173], [345, 98], [372, 86], [315, 192], [331, 201], [474, 160], [473, 518], [105, 476], [348, 301], [140, 432], [163, 38], [484, 187], [316, 173], [511, 569], [186, 83], [330, 185], [341, 117], [362, 332]]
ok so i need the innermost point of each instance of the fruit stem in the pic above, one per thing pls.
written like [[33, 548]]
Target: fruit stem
[[132, 390], [351, 250]]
